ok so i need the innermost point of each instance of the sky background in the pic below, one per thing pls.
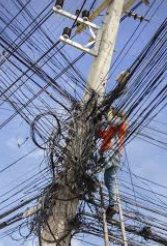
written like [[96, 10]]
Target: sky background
[[145, 160]]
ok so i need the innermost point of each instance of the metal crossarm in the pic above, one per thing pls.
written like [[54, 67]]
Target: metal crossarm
[[74, 17]]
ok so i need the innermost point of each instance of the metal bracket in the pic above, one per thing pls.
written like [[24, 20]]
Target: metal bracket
[[92, 28], [79, 46], [92, 33]]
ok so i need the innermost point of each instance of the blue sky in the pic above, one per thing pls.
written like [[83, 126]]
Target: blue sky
[[145, 160]]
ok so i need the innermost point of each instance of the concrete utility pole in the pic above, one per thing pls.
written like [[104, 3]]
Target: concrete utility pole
[[101, 65], [58, 226]]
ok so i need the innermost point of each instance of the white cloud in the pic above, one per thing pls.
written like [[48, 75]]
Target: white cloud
[[76, 242], [37, 154], [31, 243], [14, 143]]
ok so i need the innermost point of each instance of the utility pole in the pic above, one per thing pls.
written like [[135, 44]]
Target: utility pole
[[57, 231], [101, 64]]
